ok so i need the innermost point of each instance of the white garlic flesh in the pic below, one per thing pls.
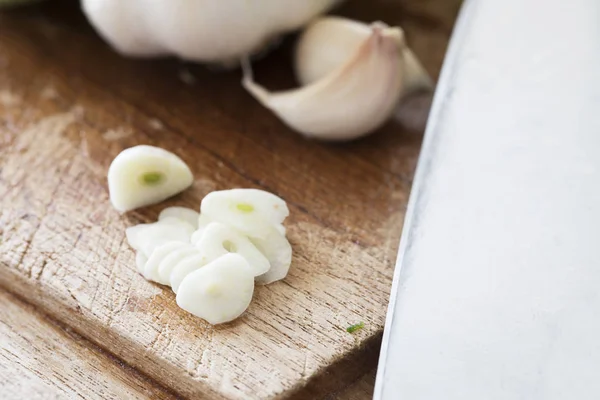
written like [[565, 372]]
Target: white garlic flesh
[[203, 222], [220, 291], [253, 212], [146, 237], [143, 175], [349, 101], [185, 267], [198, 30], [158, 254], [329, 42], [219, 239], [170, 262], [140, 261], [183, 213], [278, 250]]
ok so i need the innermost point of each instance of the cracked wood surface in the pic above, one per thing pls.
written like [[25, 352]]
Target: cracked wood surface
[[68, 105], [40, 360]]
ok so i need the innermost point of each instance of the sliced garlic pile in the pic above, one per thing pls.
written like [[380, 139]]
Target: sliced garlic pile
[[212, 260]]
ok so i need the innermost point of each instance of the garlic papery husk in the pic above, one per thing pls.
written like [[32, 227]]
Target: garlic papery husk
[[329, 42], [349, 102], [198, 30]]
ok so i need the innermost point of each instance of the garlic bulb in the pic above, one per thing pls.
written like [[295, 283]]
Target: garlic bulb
[[329, 42], [218, 292], [354, 77], [144, 175], [198, 30]]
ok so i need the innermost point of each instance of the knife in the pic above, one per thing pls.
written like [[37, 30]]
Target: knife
[[496, 292]]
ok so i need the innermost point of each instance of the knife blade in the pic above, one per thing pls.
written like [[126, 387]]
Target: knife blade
[[496, 289]]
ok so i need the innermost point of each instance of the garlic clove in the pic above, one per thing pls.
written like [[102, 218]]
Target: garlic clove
[[219, 292], [329, 42], [186, 267], [415, 75], [146, 237], [183, 213], [169, 262], [326, 45], [250, 211], [159, 253], [144, 175], [278, 251], [351, 101], [219, 239], [140, 261]]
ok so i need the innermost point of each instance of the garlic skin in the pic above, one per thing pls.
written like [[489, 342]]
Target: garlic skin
[[198, 30], [350, 101], [329, 42], [143, 175], [218, 292]]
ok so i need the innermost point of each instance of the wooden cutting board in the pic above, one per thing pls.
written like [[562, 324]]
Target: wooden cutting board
[[69, 105]]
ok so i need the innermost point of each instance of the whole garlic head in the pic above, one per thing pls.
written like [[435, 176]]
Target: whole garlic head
[[198, 30]]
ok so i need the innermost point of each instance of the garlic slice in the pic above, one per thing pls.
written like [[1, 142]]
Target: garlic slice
[[219, 292], [157, 256], [140, 261], [146, 237], [251, 211], [169, 262], [144, 175], [349, 102], [278, 251], [183, 213], [219, 239], [329, 42], [203, 222], [186, 267]]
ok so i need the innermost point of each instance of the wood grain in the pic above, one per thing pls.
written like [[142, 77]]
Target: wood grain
[[68, 105], [40, 360]]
